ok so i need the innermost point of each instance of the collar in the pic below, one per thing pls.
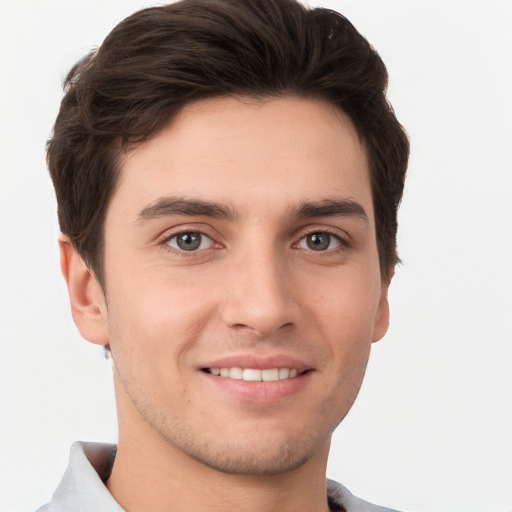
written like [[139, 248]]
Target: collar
[[82, 488]]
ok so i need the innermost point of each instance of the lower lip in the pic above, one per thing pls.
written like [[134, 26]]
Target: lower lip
[[259, 391]]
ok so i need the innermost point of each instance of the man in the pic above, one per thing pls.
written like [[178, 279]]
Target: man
[[228, 176]]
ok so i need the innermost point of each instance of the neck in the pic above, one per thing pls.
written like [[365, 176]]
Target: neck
[[150, 474], [187, 485]]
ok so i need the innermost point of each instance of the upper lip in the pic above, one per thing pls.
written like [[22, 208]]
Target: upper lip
[[258, 362]]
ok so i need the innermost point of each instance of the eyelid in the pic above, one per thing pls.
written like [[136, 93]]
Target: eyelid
[[343, 237], [203, 230], [338, 242], [204, 239]]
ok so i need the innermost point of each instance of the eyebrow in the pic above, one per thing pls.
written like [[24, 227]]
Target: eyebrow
[[167, 206], [330, 208]]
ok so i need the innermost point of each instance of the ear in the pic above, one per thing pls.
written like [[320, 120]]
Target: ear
[[381, 323], [88, 306]]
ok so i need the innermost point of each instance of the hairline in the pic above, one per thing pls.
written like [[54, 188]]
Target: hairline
[[121, 149]]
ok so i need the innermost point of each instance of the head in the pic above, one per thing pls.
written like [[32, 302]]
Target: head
[[160, 59], [230, 174]]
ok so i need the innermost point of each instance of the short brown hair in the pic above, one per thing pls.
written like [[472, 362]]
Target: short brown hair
[[161, 58]]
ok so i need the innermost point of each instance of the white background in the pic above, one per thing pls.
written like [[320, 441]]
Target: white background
[[432, 428]]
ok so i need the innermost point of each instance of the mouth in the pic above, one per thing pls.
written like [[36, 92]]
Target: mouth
[[258, 379], [255, 374]]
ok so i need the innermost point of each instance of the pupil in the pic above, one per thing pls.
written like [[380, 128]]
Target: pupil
[[189, 241], [318, 241]]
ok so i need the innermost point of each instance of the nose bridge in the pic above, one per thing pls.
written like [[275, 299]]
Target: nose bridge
[[260, 296]]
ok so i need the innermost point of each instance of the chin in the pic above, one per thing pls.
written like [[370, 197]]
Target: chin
[[265, 459], [262, 452]]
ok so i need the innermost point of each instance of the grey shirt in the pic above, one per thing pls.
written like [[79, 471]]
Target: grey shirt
[[82, 488]]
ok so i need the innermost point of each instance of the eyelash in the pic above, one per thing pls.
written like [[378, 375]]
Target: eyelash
[[343, 244], [165, 243]]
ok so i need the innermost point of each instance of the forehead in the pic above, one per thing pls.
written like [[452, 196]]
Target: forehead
[[236, 150]]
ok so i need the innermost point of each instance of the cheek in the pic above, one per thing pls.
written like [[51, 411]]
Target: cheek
[[346, 311], [155, 318], [346, 320]]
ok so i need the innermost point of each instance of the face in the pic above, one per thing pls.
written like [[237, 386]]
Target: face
[[242, 282]]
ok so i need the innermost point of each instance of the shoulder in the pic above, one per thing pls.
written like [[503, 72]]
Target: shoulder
[[340, 498]]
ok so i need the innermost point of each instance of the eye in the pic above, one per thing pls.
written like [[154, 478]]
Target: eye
[[319, 241], [190, 241]]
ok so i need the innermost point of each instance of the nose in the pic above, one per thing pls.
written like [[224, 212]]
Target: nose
[[259, 295]]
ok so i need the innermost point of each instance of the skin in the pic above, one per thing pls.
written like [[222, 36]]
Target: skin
[[257, 288]]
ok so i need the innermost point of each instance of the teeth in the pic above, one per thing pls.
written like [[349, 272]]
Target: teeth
[[254, 374], [251, 374], [270, 375], [236, 373]]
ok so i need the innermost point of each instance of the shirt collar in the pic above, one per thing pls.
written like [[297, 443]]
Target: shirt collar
[[82, 487]]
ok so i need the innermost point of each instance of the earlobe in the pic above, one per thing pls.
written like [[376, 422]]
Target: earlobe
[[381, 323], [88, 306]]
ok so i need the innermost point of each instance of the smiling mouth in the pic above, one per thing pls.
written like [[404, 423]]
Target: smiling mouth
[[255, 374]]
